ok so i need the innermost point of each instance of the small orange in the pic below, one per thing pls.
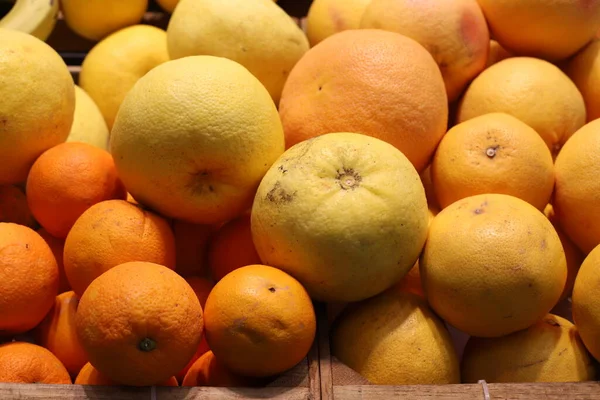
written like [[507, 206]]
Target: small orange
[[232, 247], [57, 333], [13, 206], [191, 241], [140, 323], [202, 287], [22, 362], [259, 321], [91, 376], [28, 278], [58, 247], [208, 371], [67, 180], [111, 233]]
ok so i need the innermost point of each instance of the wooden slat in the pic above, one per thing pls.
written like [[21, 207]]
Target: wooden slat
[[324, 353], [78, 392], [506, 391]]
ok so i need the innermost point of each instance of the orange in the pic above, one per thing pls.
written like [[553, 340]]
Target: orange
[[202, 288], [232, 247], [493, 153], [28, 278], [534, 91], [22, 362], [576, 201], [373, 82], [57, 333], [111, 233], [573, 255], [191, 241], [67, 180], [492, 265], [550, 29], [584, 70], [453, 31], [58, 247], [139, 323], [208, 371], [496, 54], [13, 206], [91, 376], [259, 321]]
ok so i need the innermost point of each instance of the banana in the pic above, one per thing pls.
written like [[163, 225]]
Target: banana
[[36, 17]]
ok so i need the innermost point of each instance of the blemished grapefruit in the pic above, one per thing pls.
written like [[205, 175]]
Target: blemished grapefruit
[[334, 204]]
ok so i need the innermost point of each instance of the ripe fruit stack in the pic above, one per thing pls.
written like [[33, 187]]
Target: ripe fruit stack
[[172, 219]]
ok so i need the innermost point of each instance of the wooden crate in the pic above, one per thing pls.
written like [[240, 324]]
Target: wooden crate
[[339, 382], [300, 383]]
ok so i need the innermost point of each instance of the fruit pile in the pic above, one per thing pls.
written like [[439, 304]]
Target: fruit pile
[[429, 169]]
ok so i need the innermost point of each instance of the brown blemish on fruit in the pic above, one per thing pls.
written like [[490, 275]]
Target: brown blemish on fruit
[[278, 195], [563, 351], [348, 178], [481, 208], [282, 169], [531, 364], [272, 289], [544, 244]]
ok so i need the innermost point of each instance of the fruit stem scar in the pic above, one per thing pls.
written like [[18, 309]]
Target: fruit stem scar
[[147, 345], [272, 289], [348, 178], [491, 151]]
